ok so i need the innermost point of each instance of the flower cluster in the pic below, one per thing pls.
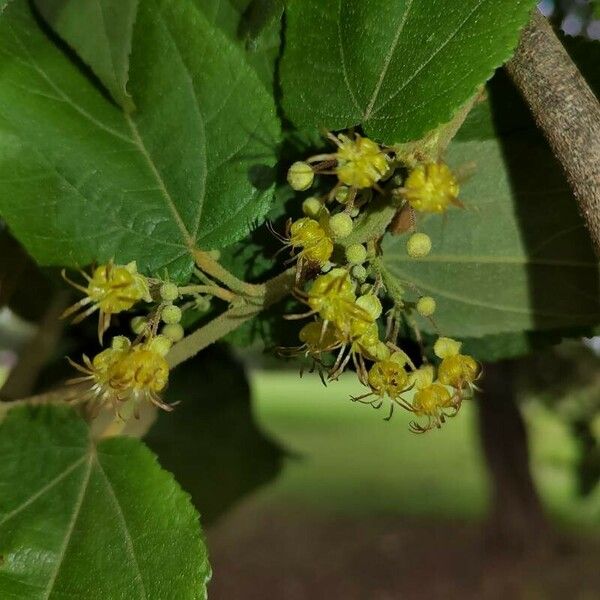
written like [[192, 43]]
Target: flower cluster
[[345, 285], [130, 370]]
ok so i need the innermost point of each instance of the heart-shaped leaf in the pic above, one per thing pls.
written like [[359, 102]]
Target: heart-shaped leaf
[[100, 32], [91, 520], [397, 68], [83, 180]]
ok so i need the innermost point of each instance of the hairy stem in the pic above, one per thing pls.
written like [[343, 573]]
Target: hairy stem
[[270, 292], [565, 109], [210, 266], [211, 290]]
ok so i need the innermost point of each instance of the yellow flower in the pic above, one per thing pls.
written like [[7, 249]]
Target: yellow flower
[[318, 339], [110, 289], [127, 372], [332, 297], [458, 371], [388, 377], [316, 246], [431, 188], [360, 162], [431, 399]]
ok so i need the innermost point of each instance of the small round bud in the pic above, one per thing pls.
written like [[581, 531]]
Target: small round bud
[[202, 303], [327, 267], [160, 344], [426, 306], [359, 272], [354, 212], [341, 194], [311, 207], [445, 347], [356, 254], [341, 225], [366, 288], [138, 325], [418, 245], [171, 314], [173, 331], [120, 342], [371, 304], [169, 292], [300, 176]]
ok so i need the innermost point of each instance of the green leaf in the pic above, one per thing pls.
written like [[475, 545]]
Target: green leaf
[[398, 68], [517, 259], [86, 520], [84, 181], [211, 441], [255, 24], [100, 32]]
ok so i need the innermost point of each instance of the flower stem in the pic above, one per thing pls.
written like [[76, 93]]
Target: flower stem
[[210, 266], [211, 290], [270, 292]]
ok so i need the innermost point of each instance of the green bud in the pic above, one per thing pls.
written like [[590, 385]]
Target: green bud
[[171, 314], [300, 176], [138, 325], [356, 254], [311, 207], [173, 331], [426, 306], [160, 344], [359, 272], [341, 225], [418, 245], [169, 292], [202, 303], [371, 304], [120, 342], [341, 194]]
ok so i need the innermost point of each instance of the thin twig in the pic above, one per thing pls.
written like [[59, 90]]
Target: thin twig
[[272, 291]]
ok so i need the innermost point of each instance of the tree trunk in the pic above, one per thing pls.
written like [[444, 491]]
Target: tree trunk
[[517, 524]]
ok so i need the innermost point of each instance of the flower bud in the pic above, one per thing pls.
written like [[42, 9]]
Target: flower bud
[[171, 314], [311, 207], [445, 347], [173, 331], [341, 225], [138, 325], [359, 273], [300, 176], [356, 254], [426, 306], [160, 344], [169, 292], [418, 245]]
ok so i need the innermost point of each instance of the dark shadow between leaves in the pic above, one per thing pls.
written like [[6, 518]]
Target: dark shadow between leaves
[[211, 442]]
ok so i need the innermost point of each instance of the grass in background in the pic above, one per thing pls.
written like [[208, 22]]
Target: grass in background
[[348, 460]]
